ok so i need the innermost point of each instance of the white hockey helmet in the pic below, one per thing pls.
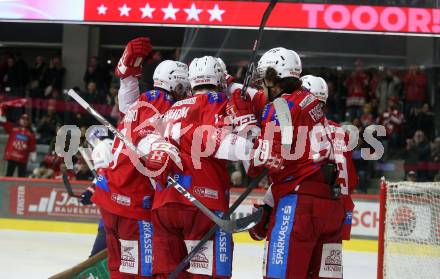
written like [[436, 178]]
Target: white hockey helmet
[[285, 62], [222, 64], [317, 86], [169, 74], [206, 70], [102, 154]]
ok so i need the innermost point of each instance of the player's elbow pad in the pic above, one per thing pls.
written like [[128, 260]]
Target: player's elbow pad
[[145, 143], [128, 93], [234, 148]]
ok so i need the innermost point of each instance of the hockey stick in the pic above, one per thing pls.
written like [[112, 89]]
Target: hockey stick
[[213, 229], [227, 225], [88, 161], [255, 48], [285, 118], [67, 185]]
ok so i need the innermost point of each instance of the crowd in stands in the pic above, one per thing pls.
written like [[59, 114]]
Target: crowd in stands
[[395, 98]]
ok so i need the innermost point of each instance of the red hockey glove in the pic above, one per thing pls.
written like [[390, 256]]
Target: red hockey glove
[[259, 231], [240, 110], [161, 160], [130, 64]]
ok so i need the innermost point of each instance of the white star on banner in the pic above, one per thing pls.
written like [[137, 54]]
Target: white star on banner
[[193, 13], [147, 11], [169, 12], [124, 10], [102, 10], [216, 13]]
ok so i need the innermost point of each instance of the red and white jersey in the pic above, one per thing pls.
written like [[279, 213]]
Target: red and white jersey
[[356, 85], [203, 175], [347, 175], [20, 143], [392, 120], [257, 97], [123, 190], [303, 161]]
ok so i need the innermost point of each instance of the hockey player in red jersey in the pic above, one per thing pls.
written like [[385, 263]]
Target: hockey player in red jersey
[[305, 226], [341, 153], [178, 225], [124, 194]]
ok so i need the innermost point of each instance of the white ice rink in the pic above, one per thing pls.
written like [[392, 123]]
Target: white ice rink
[[25, 254]]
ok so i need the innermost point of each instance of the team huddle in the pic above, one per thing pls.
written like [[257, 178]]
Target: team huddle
[[193, 122]]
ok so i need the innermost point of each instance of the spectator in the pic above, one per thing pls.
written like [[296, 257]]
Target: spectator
[[236, 179], [10, 76], [387, 87], [83, 172], [47, 126], [37, 72], [411, 176], [417, 156], [54, 75], [367, 117], [96, 73], [43, 171], [356, 84], [425, 121], [392, 119], [92, 95], [415, 83], [20, 144]]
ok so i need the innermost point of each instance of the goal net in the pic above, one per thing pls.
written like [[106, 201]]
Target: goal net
[[409, 237]]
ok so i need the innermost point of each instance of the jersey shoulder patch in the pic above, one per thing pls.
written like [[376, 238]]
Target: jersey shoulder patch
[[152, 95], [307, 100], [216, 97]]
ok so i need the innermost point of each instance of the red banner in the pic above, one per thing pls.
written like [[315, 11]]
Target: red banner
[[48, 201], [248, 14]]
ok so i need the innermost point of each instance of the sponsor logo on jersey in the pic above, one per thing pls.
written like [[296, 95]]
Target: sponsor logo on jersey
[[215, 97], [183, 180], [21, 137], [307, 101], [146, 238], [206, 192], [331, 261], [121, 199], [102, 183], [279, 240], [316, 113], [202, 262], [176, 114], [129, 256], [189, 101], [223, 252], [152, 95], [146, 202]]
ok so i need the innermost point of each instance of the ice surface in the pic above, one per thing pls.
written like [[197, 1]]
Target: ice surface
[[25, 254]]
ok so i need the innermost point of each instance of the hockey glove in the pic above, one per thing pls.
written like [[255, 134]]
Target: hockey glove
[[86, 196], [259, 231], [161, 160], [130, 64], [240, 110]]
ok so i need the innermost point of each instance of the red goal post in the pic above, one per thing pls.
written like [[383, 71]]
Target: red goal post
[[409, 230]]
